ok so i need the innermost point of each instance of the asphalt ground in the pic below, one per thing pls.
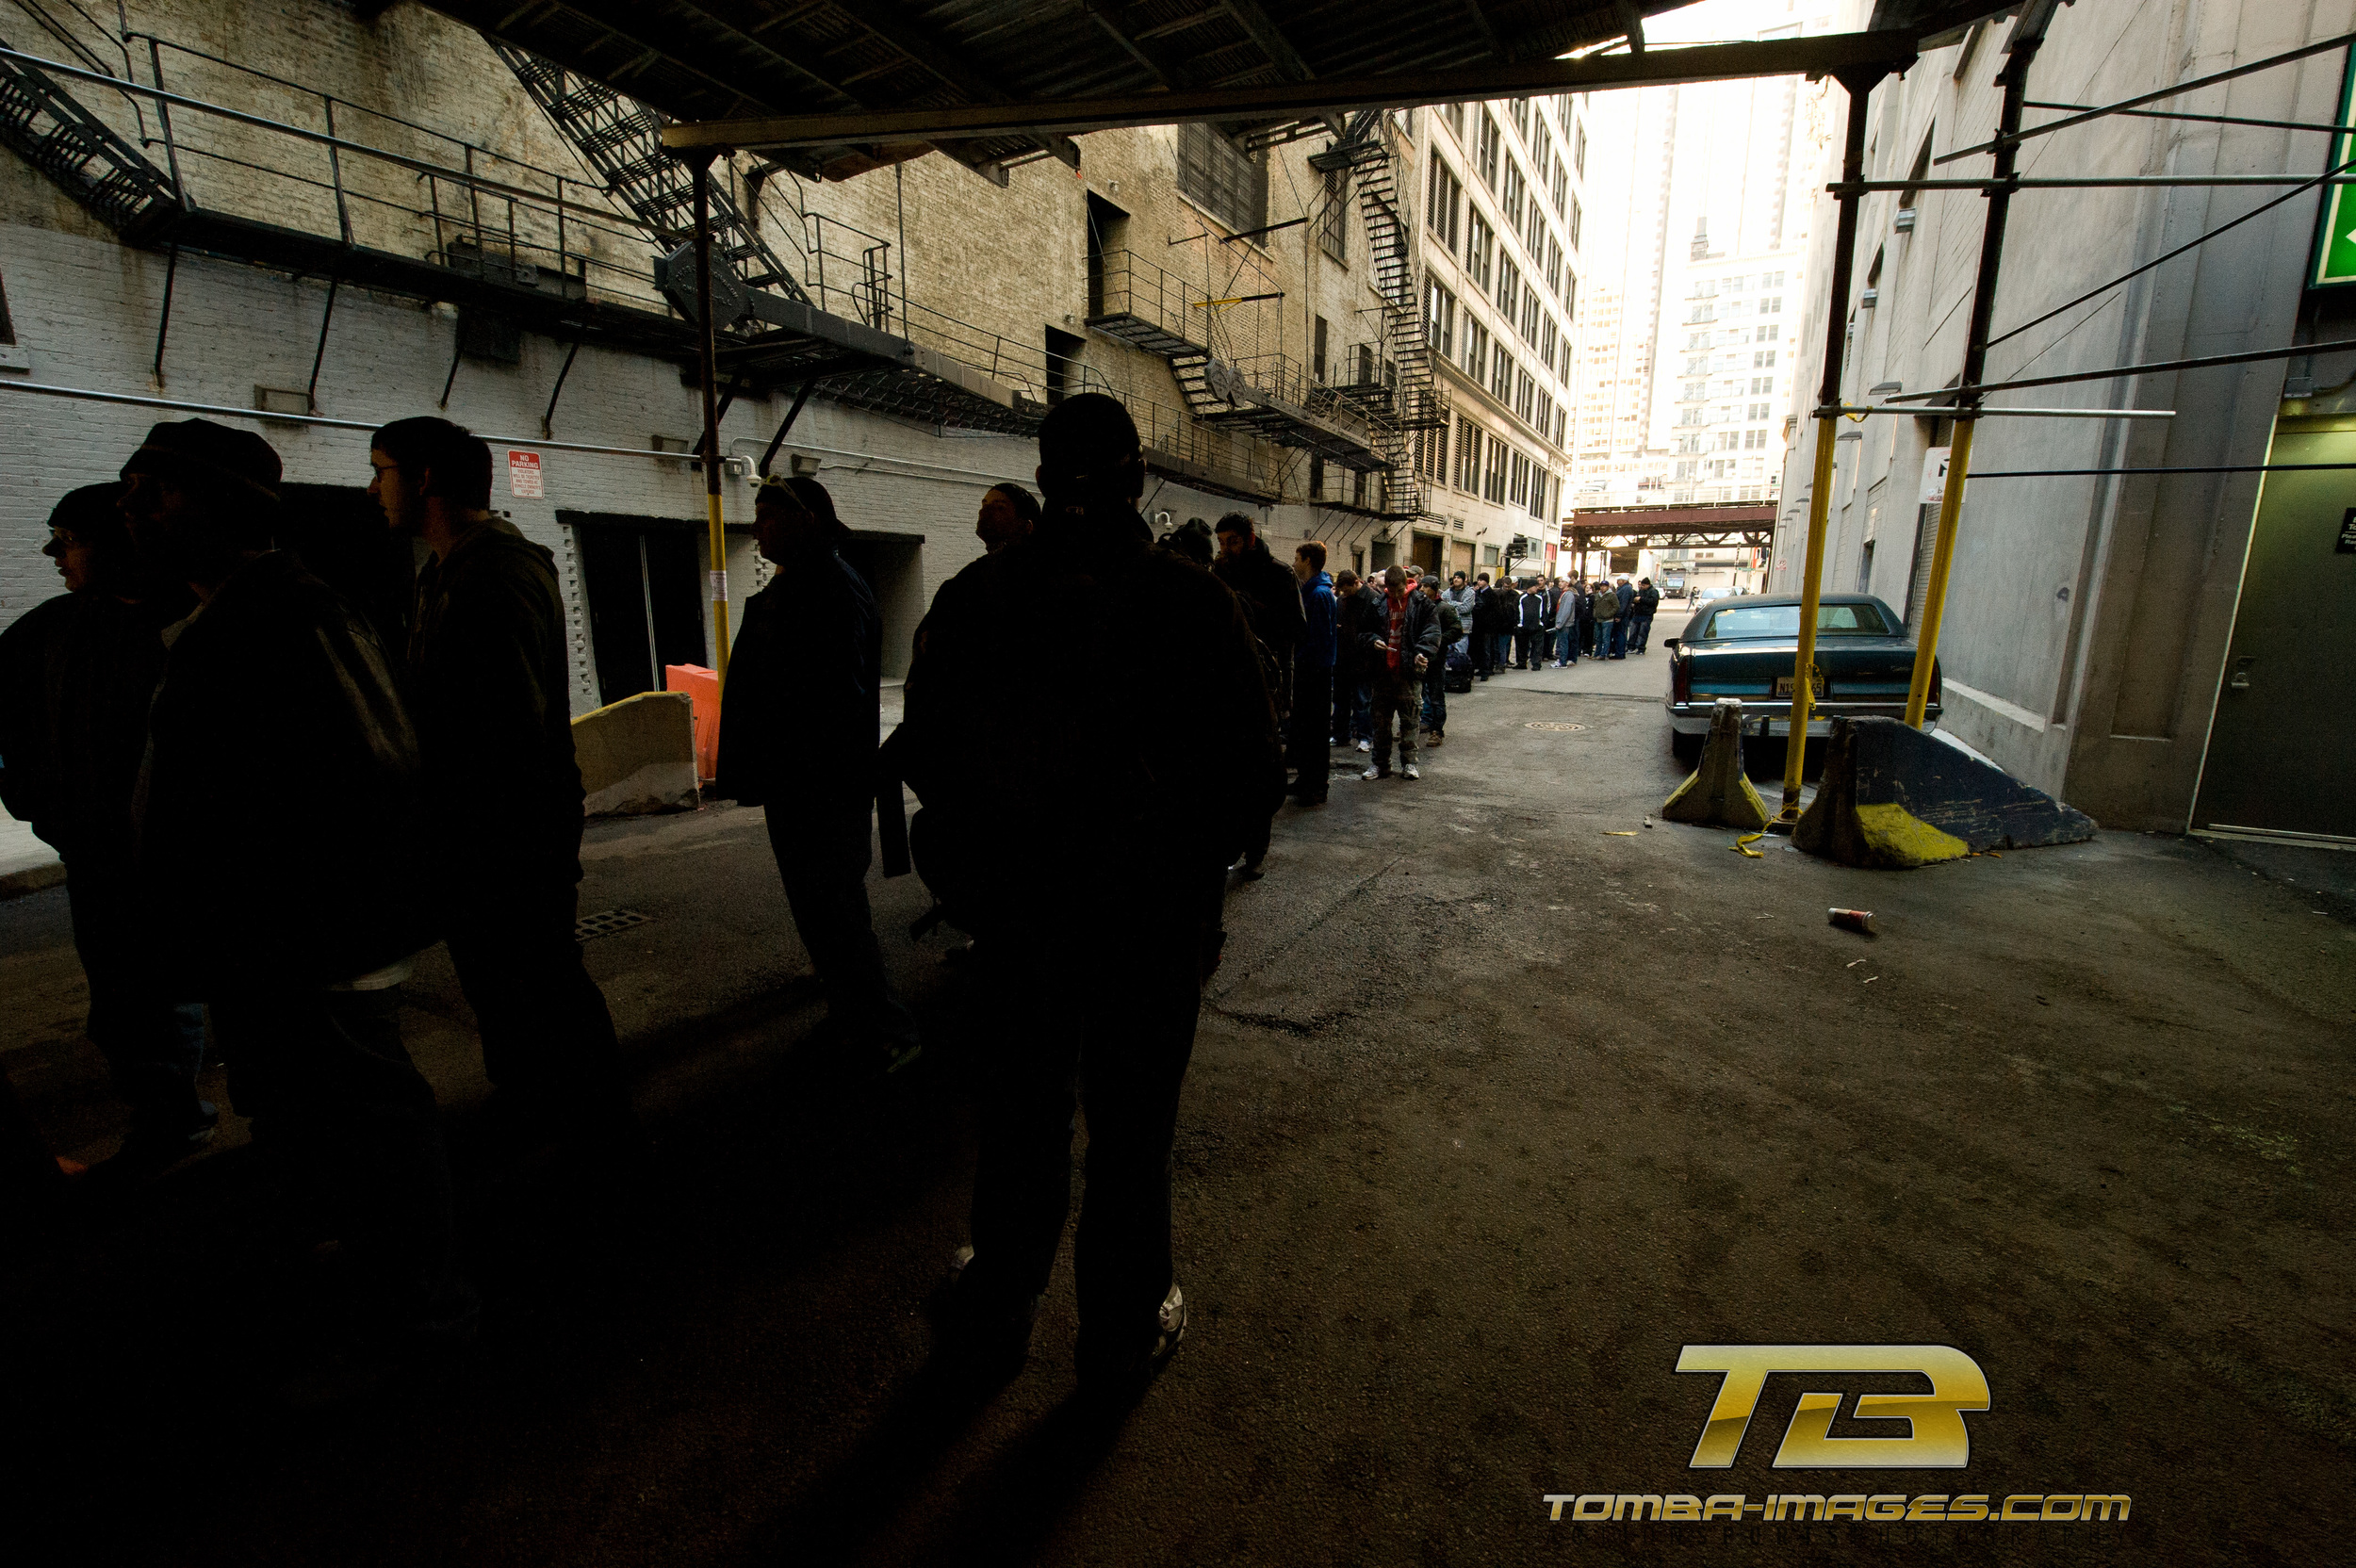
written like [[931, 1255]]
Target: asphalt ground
[[1501, 1099]]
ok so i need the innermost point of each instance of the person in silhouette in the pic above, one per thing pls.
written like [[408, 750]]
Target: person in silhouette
[[1087, 854]]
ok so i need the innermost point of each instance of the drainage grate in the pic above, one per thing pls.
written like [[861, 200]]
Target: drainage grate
[[1554, 725], [605, 922]]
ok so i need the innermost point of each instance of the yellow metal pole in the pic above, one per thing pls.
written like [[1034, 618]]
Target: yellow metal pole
[[1856, 84], [706, 341], [1811, 594], [1942, 556]]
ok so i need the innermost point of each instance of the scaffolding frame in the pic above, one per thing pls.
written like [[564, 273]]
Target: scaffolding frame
[[1964, 401]]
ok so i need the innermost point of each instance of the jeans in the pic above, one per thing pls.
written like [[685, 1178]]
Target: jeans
[[1305, 734], [1603, 638], [823, 848], [546, 1034], [1504, 647], [1639, 634], [333, 1095], [154, 1046], [1106, 1019], [1436, 695], [1619, 637], [1398, 699]]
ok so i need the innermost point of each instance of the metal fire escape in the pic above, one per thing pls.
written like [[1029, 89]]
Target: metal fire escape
[[74, 147], [622, 139], [1395, 416]]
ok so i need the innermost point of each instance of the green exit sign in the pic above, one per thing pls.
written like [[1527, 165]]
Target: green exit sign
[[2335, 242]]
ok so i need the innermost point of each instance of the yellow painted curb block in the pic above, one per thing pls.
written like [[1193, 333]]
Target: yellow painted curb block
[[1898, 838]]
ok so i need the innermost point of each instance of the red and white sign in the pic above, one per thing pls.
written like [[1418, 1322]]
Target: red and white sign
[[523, 475]]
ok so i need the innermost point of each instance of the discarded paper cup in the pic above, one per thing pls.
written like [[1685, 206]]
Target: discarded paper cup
[[1860, 921]]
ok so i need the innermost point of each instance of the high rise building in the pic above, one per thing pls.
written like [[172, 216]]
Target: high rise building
[[1699, 213]]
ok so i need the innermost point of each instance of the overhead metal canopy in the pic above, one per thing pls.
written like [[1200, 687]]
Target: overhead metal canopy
[[860, 64]]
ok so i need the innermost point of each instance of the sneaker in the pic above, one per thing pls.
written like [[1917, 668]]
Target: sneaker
[[1124, 1372], [1376, 771], [1409, 770], [1366, 745]]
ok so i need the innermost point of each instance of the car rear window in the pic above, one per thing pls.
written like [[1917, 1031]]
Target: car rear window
[[1783, 620]]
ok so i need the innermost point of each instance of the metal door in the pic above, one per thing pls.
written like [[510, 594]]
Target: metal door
[[2284, 742]]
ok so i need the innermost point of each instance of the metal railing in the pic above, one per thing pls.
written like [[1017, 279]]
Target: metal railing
[[1233, 327]]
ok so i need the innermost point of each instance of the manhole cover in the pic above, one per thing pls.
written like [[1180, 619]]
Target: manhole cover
[[1554, 725], [605, 922]]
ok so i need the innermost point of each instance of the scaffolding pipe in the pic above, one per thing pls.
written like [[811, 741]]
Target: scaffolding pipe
[[2015, 80], [706, 342], [1859, 84]]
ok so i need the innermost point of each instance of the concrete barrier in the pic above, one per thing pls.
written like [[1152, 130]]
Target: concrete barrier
[[703, 687], [1718, 793], [638, 755], [1894, 797]]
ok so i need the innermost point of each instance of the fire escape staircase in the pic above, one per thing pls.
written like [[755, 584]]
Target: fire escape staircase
[[1411, 400], [622, 139], [54, 132]]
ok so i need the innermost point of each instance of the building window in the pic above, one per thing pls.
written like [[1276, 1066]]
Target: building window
[[1333, 232], [1529, 316], [1439, 320], [1519, 109], [1771, 307], [1442, 202], [1509, 289], [1760, 411], [1559, 187], [1501, 376], [1518, 480], [1454, 115], [1316, 348], [1511, 197], [1467, 456], [1475, 347], [1575, 221], [1229, 184], [1485, 156], [1479, 249], [1526, 399], [1547, 337], [1493, 478], [1769, 333], [1763, 359]]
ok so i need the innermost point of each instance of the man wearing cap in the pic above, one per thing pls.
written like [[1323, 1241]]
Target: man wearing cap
[[281, 841], [799, 739], [487, 682], [76, 675], [1086, 854]]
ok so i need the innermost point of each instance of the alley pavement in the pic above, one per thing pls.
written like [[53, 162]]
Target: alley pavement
[[1503, 1095]]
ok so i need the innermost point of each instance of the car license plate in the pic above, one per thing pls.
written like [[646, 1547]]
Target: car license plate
[[1783, 686]]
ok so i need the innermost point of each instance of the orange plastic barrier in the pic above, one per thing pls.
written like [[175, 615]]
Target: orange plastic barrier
[[702, 687]]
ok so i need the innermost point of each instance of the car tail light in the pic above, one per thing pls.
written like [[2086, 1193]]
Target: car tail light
[[1681, 679]]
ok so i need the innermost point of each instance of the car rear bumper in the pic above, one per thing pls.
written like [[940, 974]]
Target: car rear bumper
[[1773, 715]]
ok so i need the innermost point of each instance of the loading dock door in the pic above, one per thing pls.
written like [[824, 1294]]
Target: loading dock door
[[644, 579], [2284, 742]]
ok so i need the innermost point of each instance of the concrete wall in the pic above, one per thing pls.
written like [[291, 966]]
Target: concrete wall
[[2087, 616]]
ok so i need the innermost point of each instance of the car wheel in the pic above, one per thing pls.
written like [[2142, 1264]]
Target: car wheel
[[1686, 748]]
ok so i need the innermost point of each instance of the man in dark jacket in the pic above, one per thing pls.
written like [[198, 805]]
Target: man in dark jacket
[[1088, 855], [1625, 595], [76, 675], [282, 840], [802, 720], [1354, 698], [1484, 627], [1306, 737], [1398, 649], [1645, 606], [488, 680], [1271, 596], [1435, 673], [1528, 626]]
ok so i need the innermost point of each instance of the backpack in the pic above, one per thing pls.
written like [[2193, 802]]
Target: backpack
[[1457, 674]]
